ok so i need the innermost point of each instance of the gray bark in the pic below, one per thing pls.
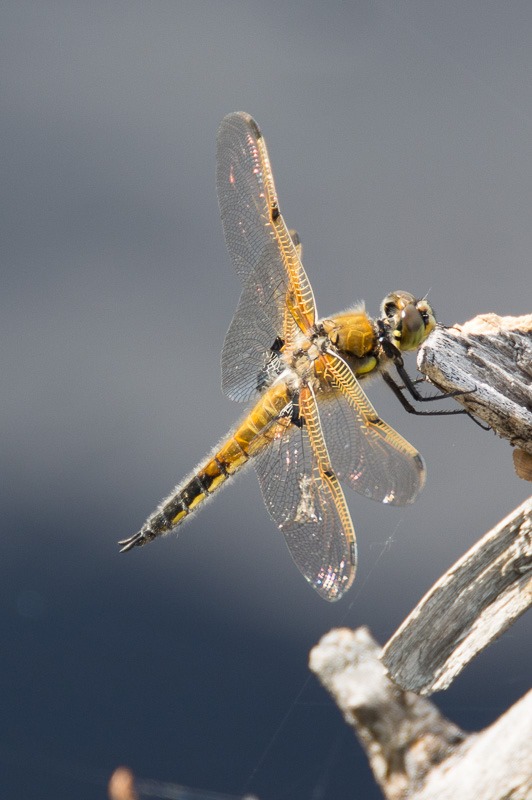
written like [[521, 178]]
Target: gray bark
[[490, 358], [414, 751], [476, 600]]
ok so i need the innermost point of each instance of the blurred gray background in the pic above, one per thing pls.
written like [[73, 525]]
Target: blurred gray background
[[400, 136]]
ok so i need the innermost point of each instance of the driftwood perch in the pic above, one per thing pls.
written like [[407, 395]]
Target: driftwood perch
[[491, 358], [416, 753], [413, 750], [476, 600]]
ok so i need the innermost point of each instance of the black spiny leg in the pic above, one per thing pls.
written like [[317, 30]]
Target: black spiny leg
[[410, 386]]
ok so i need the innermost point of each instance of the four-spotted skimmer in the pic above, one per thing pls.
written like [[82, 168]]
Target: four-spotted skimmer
[[310, 426]]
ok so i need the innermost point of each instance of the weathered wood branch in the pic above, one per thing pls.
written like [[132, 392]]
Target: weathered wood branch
[[491, 358], [476, 600], [413, 750]]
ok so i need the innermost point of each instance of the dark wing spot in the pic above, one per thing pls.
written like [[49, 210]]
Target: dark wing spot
[[255, 128], [296, 418]]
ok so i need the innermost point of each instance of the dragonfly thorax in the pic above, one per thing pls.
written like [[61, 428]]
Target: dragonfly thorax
[[305, 352], [355, 337], [351, 332]]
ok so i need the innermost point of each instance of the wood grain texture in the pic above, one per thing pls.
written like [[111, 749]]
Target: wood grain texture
[[414, 751], [491, 357], [475, 601]]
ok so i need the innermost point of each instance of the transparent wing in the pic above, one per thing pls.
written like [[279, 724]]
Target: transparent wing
[[365, 451], [248, 343], [277, 295], [305, 500]]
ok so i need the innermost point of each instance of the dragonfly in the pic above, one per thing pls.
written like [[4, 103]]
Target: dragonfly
[[310, 426]]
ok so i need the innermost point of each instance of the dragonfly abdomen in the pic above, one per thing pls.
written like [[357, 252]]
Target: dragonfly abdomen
[[228, 458]]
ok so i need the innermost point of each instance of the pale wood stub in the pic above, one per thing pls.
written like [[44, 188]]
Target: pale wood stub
[[415, 753]]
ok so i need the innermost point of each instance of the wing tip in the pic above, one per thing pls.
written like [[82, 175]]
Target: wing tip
[[336, 583], [239, 117]]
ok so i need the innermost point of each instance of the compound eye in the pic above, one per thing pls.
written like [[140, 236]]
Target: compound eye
[[394, 303], [390, 308], [417, 323], [412, 320], [427, 315]]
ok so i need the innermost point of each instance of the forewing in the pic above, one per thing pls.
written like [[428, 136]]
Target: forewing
[[365, 451], [306, 502], [263, 253]]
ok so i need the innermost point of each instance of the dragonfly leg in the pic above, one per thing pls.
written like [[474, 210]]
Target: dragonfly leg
[[411, 388], [409, 385]]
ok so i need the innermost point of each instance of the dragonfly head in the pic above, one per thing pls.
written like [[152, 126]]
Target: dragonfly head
[[409, 320]]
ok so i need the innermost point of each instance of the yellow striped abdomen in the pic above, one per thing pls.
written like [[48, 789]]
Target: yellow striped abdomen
[[244, 441]]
